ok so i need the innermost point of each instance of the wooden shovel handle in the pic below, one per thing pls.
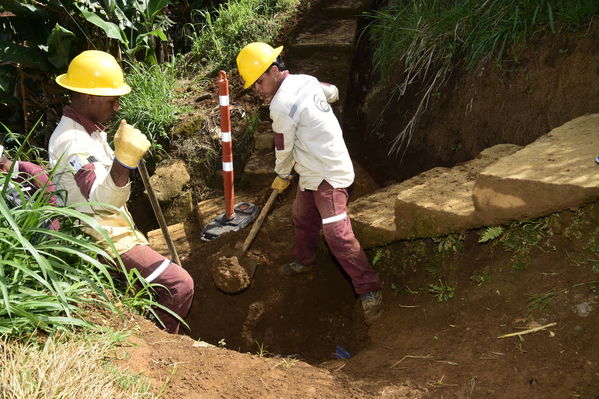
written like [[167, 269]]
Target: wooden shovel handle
[[259, 220], [145, 178]]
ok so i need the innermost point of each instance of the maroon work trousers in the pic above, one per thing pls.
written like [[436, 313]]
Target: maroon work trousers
[[327, 208], [179, 284]]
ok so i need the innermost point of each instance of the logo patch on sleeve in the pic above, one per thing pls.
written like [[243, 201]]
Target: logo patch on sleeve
[[76, 162]]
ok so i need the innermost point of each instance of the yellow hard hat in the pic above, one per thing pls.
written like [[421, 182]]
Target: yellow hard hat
[[254, 59], [94, 72]]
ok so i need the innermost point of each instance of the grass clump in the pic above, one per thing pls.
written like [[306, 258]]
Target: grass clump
[[424, 41], [45, 275], [151, 104], [441, 292], [219, 35]]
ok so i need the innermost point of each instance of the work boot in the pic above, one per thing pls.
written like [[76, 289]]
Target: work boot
[[295, 267], [372, 304]]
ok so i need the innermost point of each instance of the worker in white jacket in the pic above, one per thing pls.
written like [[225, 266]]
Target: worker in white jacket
[[308, 138], [97, 181]]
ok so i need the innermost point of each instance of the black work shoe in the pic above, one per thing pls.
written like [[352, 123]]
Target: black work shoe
[[295, 268], [372, 304]]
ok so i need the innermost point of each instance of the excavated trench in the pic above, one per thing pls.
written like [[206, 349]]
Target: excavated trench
[[309, 316], [306, 316]]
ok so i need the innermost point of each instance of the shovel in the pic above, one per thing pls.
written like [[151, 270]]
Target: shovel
[[229, 276], [145, 177]]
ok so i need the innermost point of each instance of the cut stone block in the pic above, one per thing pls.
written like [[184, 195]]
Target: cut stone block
[[346, 8], [441, 200], [179, 208], [336, 35], [179, 237], [556, 172], [264, 141], [259, 170], [436, 202]]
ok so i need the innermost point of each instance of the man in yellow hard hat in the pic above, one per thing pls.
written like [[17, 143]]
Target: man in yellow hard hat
[[308, 138], [94, 175]]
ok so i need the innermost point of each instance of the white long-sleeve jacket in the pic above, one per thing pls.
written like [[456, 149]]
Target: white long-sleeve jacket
[[308, 134], [84, 160]]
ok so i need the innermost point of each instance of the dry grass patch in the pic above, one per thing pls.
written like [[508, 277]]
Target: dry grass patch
[[60, 368]]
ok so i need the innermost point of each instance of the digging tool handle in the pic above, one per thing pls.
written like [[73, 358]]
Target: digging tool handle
[[258, 222], [157, 211]]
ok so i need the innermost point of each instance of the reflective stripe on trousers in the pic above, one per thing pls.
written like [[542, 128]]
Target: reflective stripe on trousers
[[326, 208]]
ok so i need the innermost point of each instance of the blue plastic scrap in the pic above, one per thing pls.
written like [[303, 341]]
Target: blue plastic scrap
[[597, 159], [341, 353]]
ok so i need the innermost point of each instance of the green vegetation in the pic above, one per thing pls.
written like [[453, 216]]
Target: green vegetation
[[490, 234], [426, 40], [523, 234], [48, 277], [482, 278], [218, 37], [450, 243], [539, 302], [441, 292], [45, 275], [150, 105]]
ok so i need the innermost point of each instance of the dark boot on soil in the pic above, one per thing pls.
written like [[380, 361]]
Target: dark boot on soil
[[295, 267], [372, 303]]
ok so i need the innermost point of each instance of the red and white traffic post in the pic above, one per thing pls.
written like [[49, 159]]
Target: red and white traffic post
[[235, 217], [227, 143]]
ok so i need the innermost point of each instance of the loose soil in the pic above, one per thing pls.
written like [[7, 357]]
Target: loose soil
[[279, 337]]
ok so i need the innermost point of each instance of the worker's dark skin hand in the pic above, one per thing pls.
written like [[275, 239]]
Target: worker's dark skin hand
[[119, 174]]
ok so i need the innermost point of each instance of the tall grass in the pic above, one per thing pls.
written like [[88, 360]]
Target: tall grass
[[151, 104], [46, 275], [423, 41], [218, 36], [48, 278]]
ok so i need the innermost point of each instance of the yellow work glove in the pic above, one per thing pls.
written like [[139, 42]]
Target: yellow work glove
[[281, 184], [130, 145]]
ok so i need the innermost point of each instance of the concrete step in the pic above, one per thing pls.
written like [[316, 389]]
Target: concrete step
[[336, 35], [345, 8], [556, 172], [436, 202], [179, 234], [259, 170]]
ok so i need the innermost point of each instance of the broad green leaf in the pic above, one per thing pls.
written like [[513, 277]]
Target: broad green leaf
[[112, 30], [155, 6], [59, 42], [158, 32]]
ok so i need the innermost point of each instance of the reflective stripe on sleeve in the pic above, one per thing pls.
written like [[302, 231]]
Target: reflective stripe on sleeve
[[335, 218], [300, 99], [223, 101], [159, 270]]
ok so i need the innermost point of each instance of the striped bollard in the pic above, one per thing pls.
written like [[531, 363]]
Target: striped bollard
[[225, 136], [236, 217]]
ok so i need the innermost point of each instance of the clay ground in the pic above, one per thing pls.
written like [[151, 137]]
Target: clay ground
[[420, 348], [541, 272]]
